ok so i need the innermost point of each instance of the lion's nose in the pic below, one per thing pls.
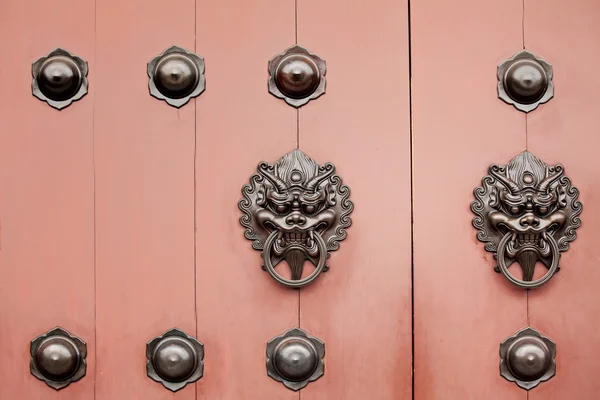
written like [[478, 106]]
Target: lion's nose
[[296, 219], [529, 220]]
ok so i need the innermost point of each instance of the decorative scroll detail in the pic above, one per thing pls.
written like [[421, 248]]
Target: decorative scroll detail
[[301, 207], [534, 204]]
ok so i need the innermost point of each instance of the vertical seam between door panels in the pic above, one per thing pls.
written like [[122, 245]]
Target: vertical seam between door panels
[[527, 149], [195, 185], [412, 206], [94, 198], [297, 147]]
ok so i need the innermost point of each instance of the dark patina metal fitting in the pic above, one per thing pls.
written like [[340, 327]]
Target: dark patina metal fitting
[[295, 358], [58, 358], [297, 76], [175, 359], [526, 212], [525, 81], [59, 78], [176, 76], [295, 210], [527, 358]]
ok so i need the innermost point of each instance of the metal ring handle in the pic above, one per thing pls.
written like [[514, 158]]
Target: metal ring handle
[[519, 282], [288, 282]]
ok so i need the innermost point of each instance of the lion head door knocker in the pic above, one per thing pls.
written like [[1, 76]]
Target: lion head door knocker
[[526, 212], [295, 210]]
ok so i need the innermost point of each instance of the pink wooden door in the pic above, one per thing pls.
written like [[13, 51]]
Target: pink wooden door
[[120, 223], [119, 213], [462, 309]]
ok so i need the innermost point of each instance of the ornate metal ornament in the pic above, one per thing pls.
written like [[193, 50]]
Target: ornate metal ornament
[[176, 76], [297, 76], [295, 210], [58, 358], [527, 358], [59, 78], [526, 211], [525, 81], [175, 359], [295, 358]]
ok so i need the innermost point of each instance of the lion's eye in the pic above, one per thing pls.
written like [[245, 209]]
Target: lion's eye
[[309, 209], [542, 210], [514, 210], [282, 208]]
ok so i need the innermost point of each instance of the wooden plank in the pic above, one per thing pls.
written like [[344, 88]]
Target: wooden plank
[[361, 307], [463, 310], [46, 196], [144, 155], [240, 124], [565, 130]]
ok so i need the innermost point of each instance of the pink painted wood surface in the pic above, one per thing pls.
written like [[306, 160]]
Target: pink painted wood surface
[[566, 130], [240, 307], [463, 309], [361, 307], [144, 157], [46, 197]]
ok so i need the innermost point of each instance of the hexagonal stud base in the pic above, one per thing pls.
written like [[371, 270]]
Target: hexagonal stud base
[[295, 358], [525, 81], [527, 358], [59, 78], [297, 76], [176, 76]]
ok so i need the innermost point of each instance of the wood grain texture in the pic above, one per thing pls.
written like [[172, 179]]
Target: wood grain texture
[[46, 197], [463, 310], [565, 130], [240, 307], [361, 307], [144, 155]]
